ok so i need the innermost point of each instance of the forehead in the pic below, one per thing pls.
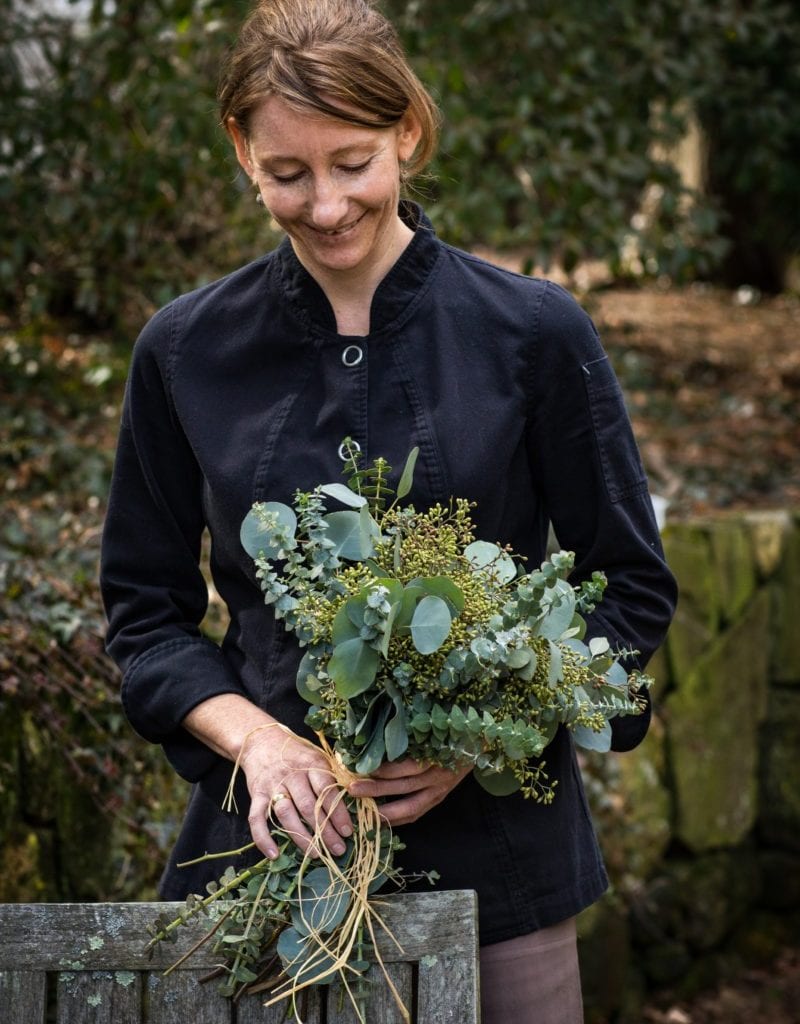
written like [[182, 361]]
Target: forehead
[[277, 129]]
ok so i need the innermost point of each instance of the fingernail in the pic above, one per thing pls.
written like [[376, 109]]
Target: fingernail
[[338, 848], [345, 830]]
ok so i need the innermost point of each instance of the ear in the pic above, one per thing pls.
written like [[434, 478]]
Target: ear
[[240, 144], [409, 132]]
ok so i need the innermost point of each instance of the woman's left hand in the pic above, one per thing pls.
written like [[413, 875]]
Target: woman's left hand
[[417, 787]]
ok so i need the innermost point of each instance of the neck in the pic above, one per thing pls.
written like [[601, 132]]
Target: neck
[[350, 293]]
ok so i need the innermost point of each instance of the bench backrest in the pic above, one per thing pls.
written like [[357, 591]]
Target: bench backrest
[[84, 963]]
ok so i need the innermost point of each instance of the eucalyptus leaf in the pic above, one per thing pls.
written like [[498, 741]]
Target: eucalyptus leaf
[[497, 783], [396, 733], [376, 747], [407, 476], [559, 613], [300, 957], [255, 536], [352, 667], [322, 902], [344, 532], [369, 532], [344, 628], [430, 625], [591, 740], [343, 494], [483, 554], [306, 678], [444, 587]]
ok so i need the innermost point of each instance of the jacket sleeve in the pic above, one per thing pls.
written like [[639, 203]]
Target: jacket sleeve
[[154, 592], [588, 469]]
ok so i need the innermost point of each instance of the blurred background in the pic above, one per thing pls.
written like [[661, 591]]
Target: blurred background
[[645, 155]]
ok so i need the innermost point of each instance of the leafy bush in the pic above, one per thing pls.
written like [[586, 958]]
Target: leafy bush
[[120, 192], [114, 179]]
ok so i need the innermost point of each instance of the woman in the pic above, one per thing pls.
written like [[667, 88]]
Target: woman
[[363, 324]]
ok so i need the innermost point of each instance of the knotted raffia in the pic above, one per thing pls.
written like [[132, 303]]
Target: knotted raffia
[[332, 952]]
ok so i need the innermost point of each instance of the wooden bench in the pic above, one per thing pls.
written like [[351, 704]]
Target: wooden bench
[[84, 963]]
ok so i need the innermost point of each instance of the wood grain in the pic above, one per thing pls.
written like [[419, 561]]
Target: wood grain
[[104, 975]]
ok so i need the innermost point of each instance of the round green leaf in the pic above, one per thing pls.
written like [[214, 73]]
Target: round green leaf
[[430, 624], [591, 740], [256, 537], [482, 554], [344, 532], [559, 612], [352, 667], [442, 586], [497, 783], [307, 682], [299, 954], [322, 902]]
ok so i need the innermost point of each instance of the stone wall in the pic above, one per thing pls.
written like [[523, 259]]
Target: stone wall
[[701, 824]]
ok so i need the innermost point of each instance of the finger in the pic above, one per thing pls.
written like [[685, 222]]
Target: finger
[[409, 808], [398, 769], [259, 829], [311, 810], [287, 814], [332, 811], [389, 787]]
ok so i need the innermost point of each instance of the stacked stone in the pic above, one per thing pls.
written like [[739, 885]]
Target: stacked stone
[[701, 824]]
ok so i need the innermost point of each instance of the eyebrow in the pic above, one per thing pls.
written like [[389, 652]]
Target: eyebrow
[[280, 157]]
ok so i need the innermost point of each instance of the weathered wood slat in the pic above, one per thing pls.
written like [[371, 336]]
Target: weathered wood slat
[[381, 1005], [447, 990], [96, 997], [23, 996], [111, 936], [104, 976], [181, 999]]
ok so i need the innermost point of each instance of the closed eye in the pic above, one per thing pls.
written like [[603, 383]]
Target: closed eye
[[287, 179], [356, 168]]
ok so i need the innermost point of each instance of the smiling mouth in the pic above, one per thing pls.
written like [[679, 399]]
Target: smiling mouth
[[338, 231]]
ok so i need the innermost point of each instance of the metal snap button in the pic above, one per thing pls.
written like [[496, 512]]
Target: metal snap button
[[343, 454], [352, 355]]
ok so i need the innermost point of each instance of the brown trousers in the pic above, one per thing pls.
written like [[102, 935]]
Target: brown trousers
[[533, 979]]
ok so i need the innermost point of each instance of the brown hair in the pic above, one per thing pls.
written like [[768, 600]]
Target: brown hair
[[311, 52]]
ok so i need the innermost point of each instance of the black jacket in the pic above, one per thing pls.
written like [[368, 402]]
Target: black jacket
[[241, 391]]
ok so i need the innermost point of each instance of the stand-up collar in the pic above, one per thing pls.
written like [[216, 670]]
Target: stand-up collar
[[392, 296]]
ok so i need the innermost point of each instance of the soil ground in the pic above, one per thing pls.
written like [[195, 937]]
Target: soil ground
[[712, 380]]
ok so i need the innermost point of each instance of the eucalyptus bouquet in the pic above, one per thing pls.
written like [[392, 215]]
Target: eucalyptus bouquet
[[419, 641]]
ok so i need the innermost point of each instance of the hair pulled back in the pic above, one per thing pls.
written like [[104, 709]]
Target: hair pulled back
[[338, 58]]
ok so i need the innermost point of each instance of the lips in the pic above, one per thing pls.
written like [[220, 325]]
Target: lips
[[337, 231]]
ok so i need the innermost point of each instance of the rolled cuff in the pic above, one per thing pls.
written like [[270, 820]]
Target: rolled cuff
[[163, 685]]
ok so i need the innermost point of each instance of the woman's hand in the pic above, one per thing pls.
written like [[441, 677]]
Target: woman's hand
[[285, 774], [417, 787], [286, 777]]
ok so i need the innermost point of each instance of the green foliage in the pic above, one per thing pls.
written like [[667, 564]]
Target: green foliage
[[748, 109], [112, 173], [71, 762], [287, 899], [431, 643], [550, 137], [118, 190]]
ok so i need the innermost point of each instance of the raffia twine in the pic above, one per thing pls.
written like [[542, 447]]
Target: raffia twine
[[365, 865]]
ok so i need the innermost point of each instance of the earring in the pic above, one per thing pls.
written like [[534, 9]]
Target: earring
[[259, 199]]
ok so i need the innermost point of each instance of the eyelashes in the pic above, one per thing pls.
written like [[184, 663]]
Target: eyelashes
[[290, 179]]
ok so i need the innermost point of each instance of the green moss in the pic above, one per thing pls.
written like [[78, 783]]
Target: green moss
[[713, 718]]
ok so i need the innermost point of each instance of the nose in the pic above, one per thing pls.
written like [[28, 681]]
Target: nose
[[328, 204]]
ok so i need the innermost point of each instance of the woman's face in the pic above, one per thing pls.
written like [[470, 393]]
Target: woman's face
[[332, 187]]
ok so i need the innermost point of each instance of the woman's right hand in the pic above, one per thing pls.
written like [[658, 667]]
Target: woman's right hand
[[286, 775], [291, 783]]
